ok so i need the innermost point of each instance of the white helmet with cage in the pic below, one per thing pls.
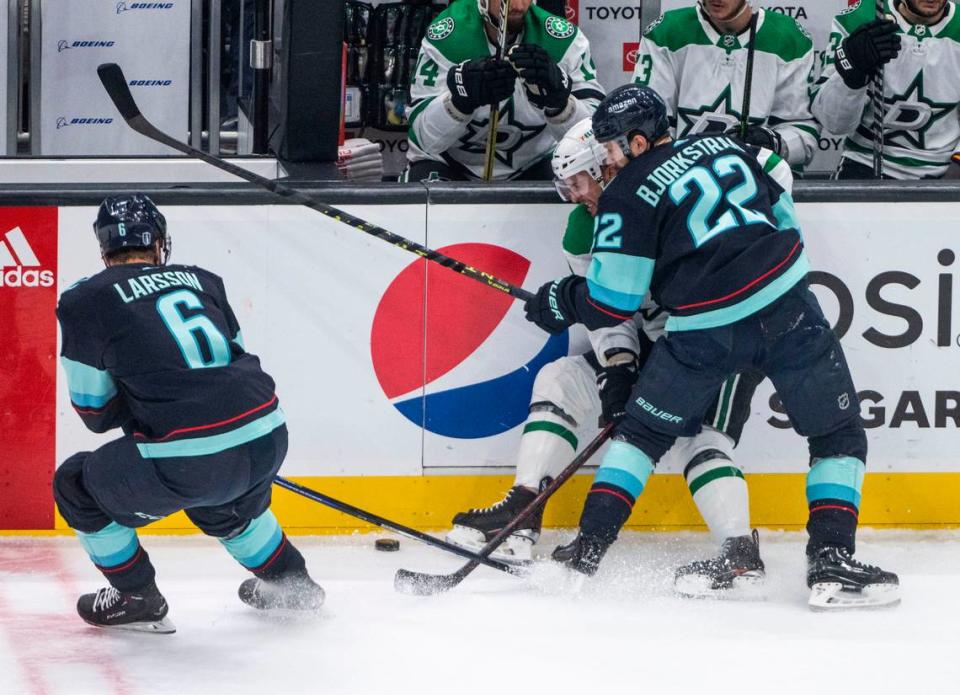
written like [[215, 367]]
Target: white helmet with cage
[[575, 153]]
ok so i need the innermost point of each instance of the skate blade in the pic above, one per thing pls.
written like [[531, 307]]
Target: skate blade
[[831, 596], [516, 550], [746, 587], [164, 626]]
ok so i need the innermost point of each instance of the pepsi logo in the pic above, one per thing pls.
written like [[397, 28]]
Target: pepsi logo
[[442, 368]]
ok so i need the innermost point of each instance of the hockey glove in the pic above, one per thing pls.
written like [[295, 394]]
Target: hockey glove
[[865, 50], [551, 307], [476, 83], [762, 136], [547, 86], [615, 382]]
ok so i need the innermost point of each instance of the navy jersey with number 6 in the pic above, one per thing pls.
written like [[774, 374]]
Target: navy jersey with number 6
[[158, 352], [706, 224]]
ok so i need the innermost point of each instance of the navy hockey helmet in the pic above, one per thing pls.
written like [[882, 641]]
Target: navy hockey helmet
[[131, 222], [627, 111]]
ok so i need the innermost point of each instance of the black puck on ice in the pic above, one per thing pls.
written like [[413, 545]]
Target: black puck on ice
[[387, 545]]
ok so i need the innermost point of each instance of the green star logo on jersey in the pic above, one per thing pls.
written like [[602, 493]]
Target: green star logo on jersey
[[911, 114], [712, 118], [511, 135]]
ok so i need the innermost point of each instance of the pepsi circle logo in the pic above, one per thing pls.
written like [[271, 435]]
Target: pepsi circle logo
[[412, 348]]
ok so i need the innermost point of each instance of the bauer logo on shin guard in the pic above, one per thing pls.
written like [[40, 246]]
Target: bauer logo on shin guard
[[657, 412]]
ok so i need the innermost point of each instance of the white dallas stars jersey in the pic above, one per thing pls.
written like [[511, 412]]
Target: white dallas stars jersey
[[524, 135], [921, 88], [700, 73]]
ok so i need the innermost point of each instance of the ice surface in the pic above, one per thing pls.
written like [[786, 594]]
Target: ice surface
[[494, 633]]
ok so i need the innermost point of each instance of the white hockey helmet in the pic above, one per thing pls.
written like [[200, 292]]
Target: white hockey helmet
[[576, 152]]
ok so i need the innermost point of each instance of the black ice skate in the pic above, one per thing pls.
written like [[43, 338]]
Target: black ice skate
[[294, 592], [582, 555], [475, 528], [737, 567], [837, 582], [137, 611]]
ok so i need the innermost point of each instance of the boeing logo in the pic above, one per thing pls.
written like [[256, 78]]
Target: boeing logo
[[123, 7], [63, 45], [62, 121], [150, 83]]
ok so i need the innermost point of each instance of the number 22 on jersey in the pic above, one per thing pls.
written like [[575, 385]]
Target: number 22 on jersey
[[708, 184]]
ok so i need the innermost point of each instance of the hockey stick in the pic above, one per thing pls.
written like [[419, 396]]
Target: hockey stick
[[116, 85], [423, 584], [879, 109], [748, 84], [491, 152], [394, 526]]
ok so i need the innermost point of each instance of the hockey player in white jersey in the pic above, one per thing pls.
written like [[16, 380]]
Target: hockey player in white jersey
[[919, 49], [545, 83], [696, 58], [571, 394]]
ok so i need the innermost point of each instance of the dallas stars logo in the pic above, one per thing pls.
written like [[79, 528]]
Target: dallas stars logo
[[713, 118], [511, 135], [911, 115]]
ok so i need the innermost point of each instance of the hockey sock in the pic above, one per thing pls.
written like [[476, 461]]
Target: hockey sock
[[263, 548], [619, 481], [720, 493], [117, 552], [833, 493], [547, 445]]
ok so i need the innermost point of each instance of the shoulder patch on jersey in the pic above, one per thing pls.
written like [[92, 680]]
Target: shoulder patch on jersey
[[653, 25], [559, 28], [853, 8], [441, 29], [675, 29], [783, 36]]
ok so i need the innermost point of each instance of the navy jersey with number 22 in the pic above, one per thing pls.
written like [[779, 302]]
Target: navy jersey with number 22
[[703, 225]]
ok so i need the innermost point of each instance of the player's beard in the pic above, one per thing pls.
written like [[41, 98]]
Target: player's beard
[[732, 16], [926, 14]]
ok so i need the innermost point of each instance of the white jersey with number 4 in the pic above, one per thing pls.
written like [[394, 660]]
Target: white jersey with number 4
[[525, 136], [701, 73], [921, 88]]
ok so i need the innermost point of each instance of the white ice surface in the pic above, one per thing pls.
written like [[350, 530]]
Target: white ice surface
[[626, 633]]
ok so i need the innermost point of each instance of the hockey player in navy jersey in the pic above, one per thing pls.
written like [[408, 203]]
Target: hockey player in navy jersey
[[156, 351], [700, 224]]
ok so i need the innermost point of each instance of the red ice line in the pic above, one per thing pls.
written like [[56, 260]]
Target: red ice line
[[31, 637]]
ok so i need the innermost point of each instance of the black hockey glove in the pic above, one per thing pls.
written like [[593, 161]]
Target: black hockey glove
[[551, 307], [476, 83], [615, 382], [865, 50], [761, 136], [547, 86]]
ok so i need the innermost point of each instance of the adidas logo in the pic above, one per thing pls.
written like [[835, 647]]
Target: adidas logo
[[19, 265]]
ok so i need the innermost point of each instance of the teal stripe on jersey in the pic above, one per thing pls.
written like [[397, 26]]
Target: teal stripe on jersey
[[838, 478], [769, 294], [625, 466], [258, 541], [204, 446], [110, 546], [89, 387], [786, 213], [619, 281]]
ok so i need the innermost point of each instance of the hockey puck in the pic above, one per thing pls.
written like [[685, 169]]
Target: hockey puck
[[387, 545]]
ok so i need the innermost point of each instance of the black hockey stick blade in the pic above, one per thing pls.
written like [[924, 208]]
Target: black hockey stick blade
[[115, 83], [425, 584], [383, 522]]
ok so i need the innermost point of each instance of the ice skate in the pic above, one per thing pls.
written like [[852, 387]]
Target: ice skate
[[475, 528], [837, 582], [738, 567], [295, 592], [135, 611], [582, 555]]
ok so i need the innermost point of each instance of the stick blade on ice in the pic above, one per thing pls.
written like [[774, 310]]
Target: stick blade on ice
[[422, 584], [114, 81]]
